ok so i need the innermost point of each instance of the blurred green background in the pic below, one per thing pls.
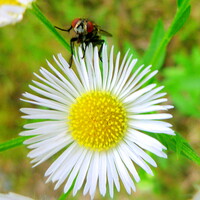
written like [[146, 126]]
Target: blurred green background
[[24, 48]]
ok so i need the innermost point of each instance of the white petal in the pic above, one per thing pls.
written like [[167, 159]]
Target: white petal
[[134, 81], [136, 158], [34, 113], [116, 68], [148, 143], [70, 74], [40, 159], [40, 137], [146, 79], [82, 173], [44, 131], [13, 196], [82, 69], [141, 153], [123, 173], [125, 75], [10, 14], [149, 94], [151, 116], [44, 102], [47, 145], [56, 164], [152, 126], [145, 109], [110, 70], [89, 64], [132, 106], [97, 69], [105, 66], [110, 181], [46, 125], [66, 168], [131, 98], [53, 91], [69, 87], [95, 173], [102, 173], [75, 170], [128, 163], [128, 87], [92, 176], [143, 138], [113, 170]]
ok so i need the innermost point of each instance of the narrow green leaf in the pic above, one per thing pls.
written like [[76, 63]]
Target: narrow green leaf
[[179, 2], [13, 143], [183, 3], [65, 195], [36, 11], [179, 145], [180, 18], [156, 38], [179, 22]]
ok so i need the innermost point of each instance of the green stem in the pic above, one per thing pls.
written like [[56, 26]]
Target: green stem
[[13, 143], [181, 16], [37, 12], [65, 195], [159, 50]]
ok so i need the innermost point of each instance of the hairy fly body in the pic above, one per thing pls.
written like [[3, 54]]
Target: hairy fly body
[[86, 32]]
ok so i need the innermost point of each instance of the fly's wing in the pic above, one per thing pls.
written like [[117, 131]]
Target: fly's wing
[[105, 33]]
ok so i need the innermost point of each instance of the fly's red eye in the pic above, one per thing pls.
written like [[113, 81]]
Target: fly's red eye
[[74, 22], [90, 26]]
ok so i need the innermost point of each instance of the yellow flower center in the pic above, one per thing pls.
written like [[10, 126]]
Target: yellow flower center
[[97, 120], [9, 2]]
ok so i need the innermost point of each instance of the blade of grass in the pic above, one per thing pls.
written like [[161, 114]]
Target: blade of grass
[[36, 11], [13, 143], [179, 20], [65, 195]]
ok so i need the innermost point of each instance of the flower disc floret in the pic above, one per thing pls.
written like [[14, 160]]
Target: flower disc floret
[[97, 120], [10, 2]]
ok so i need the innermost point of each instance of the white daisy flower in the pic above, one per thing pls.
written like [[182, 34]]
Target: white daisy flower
[[13, 196], [96, 116], [11, 11]]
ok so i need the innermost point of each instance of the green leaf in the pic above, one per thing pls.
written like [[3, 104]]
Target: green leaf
[[36, 11], [182, 2], [13, 143], [179, 2], [179, 21], [156, 38], [179, 145], [65, 195]]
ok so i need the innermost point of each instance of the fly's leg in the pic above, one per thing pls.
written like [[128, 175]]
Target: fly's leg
[[62, 29], [83, 49], [101, 42], [71, 44], [72, 50], [97, 41]]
